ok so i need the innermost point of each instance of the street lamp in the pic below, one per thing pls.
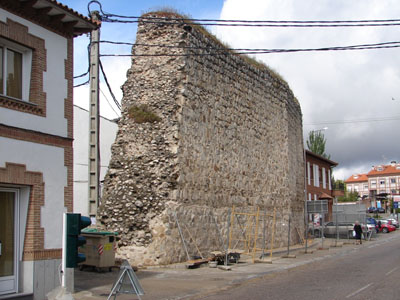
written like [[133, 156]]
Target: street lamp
[[319, 130]]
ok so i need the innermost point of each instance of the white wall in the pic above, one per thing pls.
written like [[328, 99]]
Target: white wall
[[108, 131], [49, 161], [54, 84]]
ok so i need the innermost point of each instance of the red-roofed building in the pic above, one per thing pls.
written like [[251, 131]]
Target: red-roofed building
[[381, 180], [358, 183], [384, 179]]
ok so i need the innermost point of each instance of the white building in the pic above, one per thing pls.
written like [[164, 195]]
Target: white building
[[36, 134], [383, 181], [358, 183], [108, 131]]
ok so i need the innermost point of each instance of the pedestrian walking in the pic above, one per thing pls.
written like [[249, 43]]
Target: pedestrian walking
[[358, 230]]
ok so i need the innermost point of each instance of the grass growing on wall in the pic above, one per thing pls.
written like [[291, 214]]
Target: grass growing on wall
[[168, 12], [142, 114]]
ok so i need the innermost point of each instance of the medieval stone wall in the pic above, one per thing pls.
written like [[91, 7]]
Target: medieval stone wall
[[229, 134]]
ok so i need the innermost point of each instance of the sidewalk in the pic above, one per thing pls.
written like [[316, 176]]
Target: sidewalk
[[177, 282]]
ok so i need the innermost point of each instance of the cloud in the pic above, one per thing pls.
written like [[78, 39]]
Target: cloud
[[332, 86]]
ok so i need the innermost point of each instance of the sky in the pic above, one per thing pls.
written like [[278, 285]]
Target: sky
[[353, 93]]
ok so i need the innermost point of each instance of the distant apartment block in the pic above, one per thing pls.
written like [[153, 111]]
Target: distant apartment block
[[358, 183], [381, 180]]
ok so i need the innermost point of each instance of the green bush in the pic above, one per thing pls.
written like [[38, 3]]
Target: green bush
[[142, 114]]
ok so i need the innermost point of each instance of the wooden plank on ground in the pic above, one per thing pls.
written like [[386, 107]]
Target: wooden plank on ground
[[191, 264]]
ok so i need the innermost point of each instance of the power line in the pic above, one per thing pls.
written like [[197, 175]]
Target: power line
[[81, 84], [282, 25], [88, 68], [107, 17], [109, 103], [221, 52], [261, 50], [254, 21], [366, 120], [108, 86]]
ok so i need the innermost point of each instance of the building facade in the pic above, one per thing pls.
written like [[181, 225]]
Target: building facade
[[36, 134], [318, 179], [358, 183], [381, 182], [108, 130], [384, 179], [318, 176]]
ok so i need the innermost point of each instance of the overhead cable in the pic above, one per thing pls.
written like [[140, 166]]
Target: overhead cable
[[109, 103], [108, 86], [88, 68], [81, 84], [222, 51], [283, 25], [115, 18], [362, 46], [366, 120]]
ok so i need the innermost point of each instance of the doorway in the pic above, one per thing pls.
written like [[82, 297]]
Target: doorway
[[9, 205]]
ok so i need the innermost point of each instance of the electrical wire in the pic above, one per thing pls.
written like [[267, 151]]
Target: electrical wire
[[261, 50], [367, 120], [88, 68], [109, 103], [108, 86], [187, 21], [81, 84], [269, 51], [108, 17]]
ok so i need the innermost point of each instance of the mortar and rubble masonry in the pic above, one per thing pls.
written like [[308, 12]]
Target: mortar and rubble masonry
[[198, 135]]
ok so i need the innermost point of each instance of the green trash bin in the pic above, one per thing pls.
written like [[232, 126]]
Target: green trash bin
[[99, 249]]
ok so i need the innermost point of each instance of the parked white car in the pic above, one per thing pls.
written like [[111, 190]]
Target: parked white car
[[394, 222]]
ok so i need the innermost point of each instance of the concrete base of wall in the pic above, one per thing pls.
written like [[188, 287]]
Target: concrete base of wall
[[18, 296], [39, 277]]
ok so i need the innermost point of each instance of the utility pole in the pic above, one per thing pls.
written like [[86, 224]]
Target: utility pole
[[94, 151]]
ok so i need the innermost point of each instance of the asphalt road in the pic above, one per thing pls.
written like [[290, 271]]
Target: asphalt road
[[370, 271]]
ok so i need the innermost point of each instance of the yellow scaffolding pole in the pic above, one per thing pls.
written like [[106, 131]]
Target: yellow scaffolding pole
[[273, 233], [256, 234], [231, 229]]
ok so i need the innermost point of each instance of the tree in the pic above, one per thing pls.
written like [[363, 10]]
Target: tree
[[316, 143], [338, 184], [349, 197]]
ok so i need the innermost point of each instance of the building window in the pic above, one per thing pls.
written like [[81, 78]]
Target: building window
[[365, 186], [15, 69], [316, 175], [382, 182], [308, 173], [392, 180], [329, 180], [323, 178]]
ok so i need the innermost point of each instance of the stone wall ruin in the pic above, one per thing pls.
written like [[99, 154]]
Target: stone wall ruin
[[223, 131]]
